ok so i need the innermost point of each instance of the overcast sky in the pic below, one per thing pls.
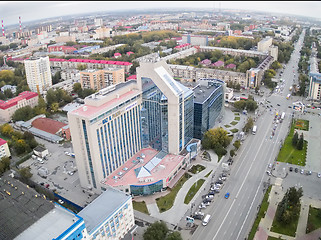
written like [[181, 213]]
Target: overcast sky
[[29, 11]]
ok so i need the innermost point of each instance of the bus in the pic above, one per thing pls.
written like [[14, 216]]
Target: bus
[[254, 130], [288, 96], [206, 219]]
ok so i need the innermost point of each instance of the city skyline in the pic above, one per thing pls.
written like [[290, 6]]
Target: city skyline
[[31, 11]]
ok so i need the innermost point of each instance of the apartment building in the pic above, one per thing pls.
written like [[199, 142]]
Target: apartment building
[[8, 108], [4, 149], [38, 74], [99, 79]]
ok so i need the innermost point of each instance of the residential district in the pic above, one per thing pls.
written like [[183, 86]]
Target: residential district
[[176, 125]]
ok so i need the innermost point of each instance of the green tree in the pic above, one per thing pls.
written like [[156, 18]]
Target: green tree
[[240, 105], [20, 146], [23, 114], [249, 125], [295, 139], [251, 105], [216, 139], [232, 152], [174, 236], [51, 96], [4, 164], [54, 107], [25, 173], [76, 88], [156, 231], [8, 93], [237, 144]]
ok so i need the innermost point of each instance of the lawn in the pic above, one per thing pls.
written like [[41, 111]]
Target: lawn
[[237, 113], [193, 190], [237, 119], [286, 229], [234, 130], [196, 169], [141, 207], [302, 124], [227, 126], [314, 220], [261, 213], [208, 173], [166, 202], [233, 123], [290, 154]]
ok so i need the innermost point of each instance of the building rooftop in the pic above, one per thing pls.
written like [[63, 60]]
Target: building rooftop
[[201, 93], [51, 225], [48, 125], [90, 61], [2, 141], [20, 207], [146, 167], [13, 101], [103, 207], [88, 110]]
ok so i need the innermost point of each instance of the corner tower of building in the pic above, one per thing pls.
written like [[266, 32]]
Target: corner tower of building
[[168, 109]]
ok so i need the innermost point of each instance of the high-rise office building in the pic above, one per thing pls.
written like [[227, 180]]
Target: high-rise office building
[[118, 121], [167, 106], [38, 74], [106, 131]]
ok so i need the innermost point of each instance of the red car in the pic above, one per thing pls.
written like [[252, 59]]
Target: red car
[[47, 185]]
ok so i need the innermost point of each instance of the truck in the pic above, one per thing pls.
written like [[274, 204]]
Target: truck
[[282, 116], [254, 130], [206, 219]]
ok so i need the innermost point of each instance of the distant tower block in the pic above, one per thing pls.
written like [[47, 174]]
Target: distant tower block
[[2, 29]]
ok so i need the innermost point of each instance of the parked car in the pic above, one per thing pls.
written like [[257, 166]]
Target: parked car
[[302, 171], [291, 169], [60, 201], [319, 175], [268, 173]]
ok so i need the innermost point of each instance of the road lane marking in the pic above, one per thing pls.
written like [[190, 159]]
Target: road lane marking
[[240, 187]]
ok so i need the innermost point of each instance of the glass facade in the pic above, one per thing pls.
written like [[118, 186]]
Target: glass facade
[[206, 113], [156, 115], [146, 189]]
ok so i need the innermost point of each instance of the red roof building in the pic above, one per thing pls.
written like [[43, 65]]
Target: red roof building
[[129, 53], [52, 126], [132, 77], [7, 108]]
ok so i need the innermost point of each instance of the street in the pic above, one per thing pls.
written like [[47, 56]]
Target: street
[[233, 218]]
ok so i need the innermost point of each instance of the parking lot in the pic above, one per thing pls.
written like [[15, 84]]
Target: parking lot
[[62, 174]]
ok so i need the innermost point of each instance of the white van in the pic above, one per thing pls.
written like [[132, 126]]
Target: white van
[[206, 219]]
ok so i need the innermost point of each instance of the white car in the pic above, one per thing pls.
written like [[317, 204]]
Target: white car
[[60, 201], [319, 175], [268, 173]]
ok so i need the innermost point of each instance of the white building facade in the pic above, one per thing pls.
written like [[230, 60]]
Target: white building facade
[[38, 74]]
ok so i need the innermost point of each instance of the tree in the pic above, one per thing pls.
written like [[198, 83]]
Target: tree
[[20, 146], [6, 130], [232, 152], [174, 236], [237, 144], [76, 88], [25, 173], [4, 164], [249, 125], [54, 107], [216, 139], [295, 139], [240, 105], [23, 114], [51, 96], [81, 67], [156, 231], [300, 142]]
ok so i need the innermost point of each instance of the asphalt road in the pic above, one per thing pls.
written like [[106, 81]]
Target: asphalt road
[[232, 218]]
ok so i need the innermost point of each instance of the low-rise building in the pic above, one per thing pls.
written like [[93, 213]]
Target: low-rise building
[[7, 108], [4, 149], [13, 89]]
